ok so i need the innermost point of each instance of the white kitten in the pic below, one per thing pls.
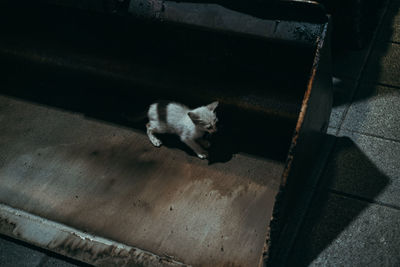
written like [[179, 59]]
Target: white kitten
[[189, 124]]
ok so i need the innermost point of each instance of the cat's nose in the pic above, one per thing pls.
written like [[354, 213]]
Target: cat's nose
[[213, 130]]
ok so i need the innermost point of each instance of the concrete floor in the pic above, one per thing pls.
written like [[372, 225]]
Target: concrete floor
[[354, 218]]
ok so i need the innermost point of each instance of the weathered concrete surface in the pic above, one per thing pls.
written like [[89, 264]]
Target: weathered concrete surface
[[111, 182]]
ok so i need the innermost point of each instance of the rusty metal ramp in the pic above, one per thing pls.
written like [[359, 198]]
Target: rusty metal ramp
[[78, 174]]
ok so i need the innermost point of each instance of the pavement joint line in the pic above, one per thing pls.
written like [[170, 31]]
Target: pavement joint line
[[371, 45], [370, 135], [363, 199]]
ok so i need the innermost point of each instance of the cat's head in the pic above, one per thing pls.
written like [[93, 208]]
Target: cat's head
[[205, 118]]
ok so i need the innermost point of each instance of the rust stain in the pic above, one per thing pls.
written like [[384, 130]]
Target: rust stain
[[107, 255], [6, 226], [279, 221], [302, 114]]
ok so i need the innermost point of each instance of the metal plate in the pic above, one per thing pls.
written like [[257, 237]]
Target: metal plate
[[110, 182]]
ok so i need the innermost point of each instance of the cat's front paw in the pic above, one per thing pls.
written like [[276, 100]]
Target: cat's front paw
[[156, 142], [203, 155]]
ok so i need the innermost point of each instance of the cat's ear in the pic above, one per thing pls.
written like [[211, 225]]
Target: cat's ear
[[194, 117], [213, 106]]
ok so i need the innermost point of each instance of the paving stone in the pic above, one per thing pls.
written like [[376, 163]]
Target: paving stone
[[375, 111], [384, 65], [342, 94], [341, 231], [366, 167], [13, 254], [391, 25]]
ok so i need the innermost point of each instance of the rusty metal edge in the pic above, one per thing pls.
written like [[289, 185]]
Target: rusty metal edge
[[304, 106], [279, 227], [74, 243]]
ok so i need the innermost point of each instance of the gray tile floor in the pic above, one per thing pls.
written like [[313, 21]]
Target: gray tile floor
[[354, 218]]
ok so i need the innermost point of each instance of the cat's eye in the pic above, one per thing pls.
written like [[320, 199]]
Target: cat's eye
[[209, 127]]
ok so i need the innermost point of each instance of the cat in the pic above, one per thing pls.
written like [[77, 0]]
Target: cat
[[189, 124]]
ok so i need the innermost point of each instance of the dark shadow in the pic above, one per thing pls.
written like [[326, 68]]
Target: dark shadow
[[353, 32], [353, 22], [349, 63], [238, 130], [348, 185], [76, 64], [381, 67]]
